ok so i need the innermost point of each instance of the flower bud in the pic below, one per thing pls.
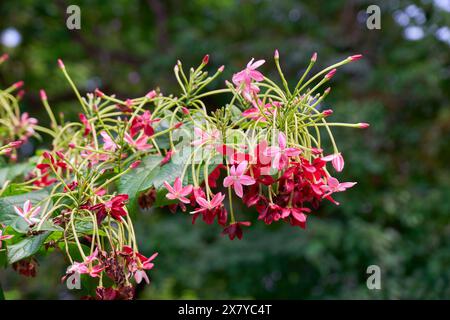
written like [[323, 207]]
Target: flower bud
[[60, 155], [221, 68], [43, 95], [18, 84], [61, 64], [177, 125], [276, 55], [355, 57], [205, 59], [327, 112], [47, 155], [135, 164], [363, 125], [151, 94], [330, 74], [314, 57], [16, 144], [99, 93]]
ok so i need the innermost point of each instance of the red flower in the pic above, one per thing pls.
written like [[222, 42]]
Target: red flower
[[145, 122], [234, 229], [113, 207]]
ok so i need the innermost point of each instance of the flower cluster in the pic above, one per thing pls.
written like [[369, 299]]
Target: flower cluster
[[263, 149], [270, 159]]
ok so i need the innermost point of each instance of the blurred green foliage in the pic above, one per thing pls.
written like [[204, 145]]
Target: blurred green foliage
[[397, 216]]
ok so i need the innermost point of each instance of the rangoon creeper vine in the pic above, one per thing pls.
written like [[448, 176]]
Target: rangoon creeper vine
[[263, 148]]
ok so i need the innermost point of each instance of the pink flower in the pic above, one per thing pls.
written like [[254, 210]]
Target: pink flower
[[177, 191], [27, 123], [93, 156], [138, 263], [205, 136], [77, 267], [237, 178], [28, 213], [249, 73], [205, 205], [139, 143], [92, 257], [336, 160], [243, 79], [281, 154], [2, 237], [87, 266], [335, 186], [108, 143]]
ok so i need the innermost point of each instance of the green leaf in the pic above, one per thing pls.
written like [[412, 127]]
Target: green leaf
[[86, 227], [27, 247], [9, 217], [13, 171], [139, 179]]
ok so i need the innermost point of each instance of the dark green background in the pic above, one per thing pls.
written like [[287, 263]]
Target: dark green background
[[397, 217]]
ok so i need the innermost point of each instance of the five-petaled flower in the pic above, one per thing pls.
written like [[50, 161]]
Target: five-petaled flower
[[145, 122], [139, 144], [237, 178], [243, 79], [280, 155], [28, 213], [204, 204], [108, 142], [138, 263], [178, 191], [114, 207], [335, 186]]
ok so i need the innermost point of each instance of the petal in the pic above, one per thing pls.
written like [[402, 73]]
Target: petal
[[282, 140], [271, 151], [347, 185], [202, 202], [338, 162], [36, 212], [186, 190], [333, 182], [171, 196], [177, 184], [18, 211], [299, 216], [257, 64], [328, 158], [217, 200], [169, 187], [228, 181], [241, 168], [292, 152], [27, 206], [238, 189], [246, 180], [184, 200], [250, 63]]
